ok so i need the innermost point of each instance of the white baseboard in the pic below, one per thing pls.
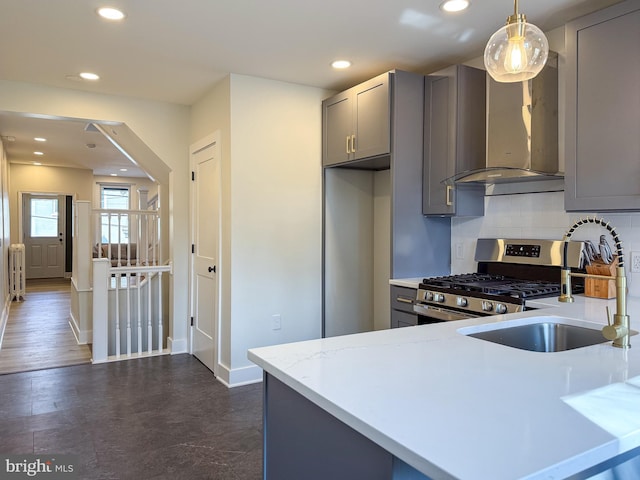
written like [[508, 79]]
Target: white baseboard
[[4, 317], [239, 376], [83, 337], [177, 346]]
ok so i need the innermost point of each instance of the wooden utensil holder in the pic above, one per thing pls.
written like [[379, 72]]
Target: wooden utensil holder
[[599, 288]]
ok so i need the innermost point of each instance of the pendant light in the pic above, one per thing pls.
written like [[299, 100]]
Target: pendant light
[[516, 52]]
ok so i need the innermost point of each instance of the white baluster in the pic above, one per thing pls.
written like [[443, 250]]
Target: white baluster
[[149, 324], [117, 316], [128, 279], [139, 314], [160, 322]]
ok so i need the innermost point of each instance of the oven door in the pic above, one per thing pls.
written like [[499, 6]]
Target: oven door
[[431, 314]]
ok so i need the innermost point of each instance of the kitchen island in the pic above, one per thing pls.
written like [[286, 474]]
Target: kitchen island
[[430, 402]]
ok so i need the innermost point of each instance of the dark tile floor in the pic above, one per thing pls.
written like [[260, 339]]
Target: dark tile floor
[[154, 418]]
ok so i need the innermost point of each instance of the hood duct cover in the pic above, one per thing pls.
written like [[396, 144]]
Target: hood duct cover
[[522, 130]]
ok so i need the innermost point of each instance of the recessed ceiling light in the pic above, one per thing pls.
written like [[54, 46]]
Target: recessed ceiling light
[[114, 174], [340, 64], [38, 153], [454, 5], [123, 169], [37, 163], [110, 13], [89, 76], [40, 139]]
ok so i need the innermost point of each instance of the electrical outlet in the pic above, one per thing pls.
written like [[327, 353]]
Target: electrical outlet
[[635, 262], [276, 322]]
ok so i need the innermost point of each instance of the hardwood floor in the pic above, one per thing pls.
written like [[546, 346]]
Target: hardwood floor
[[37, 334]]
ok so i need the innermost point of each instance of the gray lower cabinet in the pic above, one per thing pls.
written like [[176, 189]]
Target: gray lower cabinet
[[402, 299], [602, 107], [303, 441], [356, 122], [454, 139]]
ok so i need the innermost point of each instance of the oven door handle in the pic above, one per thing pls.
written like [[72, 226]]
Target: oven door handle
[[441, 314]]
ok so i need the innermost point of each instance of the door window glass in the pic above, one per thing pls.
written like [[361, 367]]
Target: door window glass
[[44, 217]]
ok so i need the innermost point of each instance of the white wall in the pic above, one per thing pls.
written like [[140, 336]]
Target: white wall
[[539, 216], [5, 238], [271, 226], [164, 127]]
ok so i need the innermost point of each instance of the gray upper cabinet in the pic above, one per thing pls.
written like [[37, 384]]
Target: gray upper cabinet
[[602, 108], [454, 140], [356, 123]]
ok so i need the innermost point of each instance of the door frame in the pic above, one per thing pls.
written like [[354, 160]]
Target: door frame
[[195, 147], [21, 195]]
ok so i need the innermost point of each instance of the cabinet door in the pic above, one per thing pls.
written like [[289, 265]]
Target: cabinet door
[[403, 319], [337, 128], [438, 146], [372, 116], [402, 298], [603, 101]]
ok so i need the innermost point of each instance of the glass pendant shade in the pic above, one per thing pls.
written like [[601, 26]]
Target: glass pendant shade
[[516, 52]]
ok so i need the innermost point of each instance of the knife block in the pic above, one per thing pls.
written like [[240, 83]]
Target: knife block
[[597, 288]]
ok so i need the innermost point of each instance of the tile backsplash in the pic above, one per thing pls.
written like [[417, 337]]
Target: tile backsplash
[[537, 216]]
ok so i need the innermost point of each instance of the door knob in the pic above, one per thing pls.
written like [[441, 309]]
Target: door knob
[[212, 269]]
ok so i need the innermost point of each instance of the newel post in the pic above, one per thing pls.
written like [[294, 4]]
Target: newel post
[[82, 245], [101, 278]]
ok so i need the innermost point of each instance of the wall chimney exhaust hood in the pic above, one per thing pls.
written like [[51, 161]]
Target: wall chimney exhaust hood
[[522, 131]]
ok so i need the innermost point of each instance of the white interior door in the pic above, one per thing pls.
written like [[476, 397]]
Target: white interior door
[[43, 227], [205, 163]]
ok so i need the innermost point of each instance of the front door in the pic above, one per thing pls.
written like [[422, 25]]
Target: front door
[[205, 190], [43, 226]]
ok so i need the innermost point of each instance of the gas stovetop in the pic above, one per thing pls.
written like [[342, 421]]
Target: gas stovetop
[[510, 273], [493, 285]]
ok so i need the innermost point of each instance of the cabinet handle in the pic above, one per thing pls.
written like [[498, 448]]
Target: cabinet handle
[[347, 144], [353, 144], [404, 300], [449, 190]]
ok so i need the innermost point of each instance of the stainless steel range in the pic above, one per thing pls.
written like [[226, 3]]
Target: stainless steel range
[[510, 274]]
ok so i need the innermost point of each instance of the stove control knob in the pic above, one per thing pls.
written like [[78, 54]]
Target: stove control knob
[[501, 308], [487, 306], [461, 302], [429, 297], [438, 297]]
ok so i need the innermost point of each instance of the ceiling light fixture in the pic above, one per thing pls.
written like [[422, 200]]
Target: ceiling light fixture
[[110, 13], [340, 64], [516, 52], [452, 6], [37, 163], [89, 76], [123, 169], [113, 174], [40, 139], [38, 153]]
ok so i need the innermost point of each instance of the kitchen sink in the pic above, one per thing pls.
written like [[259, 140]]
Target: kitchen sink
[[547, 335]]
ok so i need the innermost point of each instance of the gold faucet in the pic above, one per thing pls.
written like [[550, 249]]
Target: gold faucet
[[619, 330]]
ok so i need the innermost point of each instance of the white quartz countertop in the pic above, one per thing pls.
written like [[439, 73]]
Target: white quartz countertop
[[407, 282], [453, 406]]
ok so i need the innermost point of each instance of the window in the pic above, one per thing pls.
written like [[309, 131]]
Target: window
[[115, 226], [44, 217]]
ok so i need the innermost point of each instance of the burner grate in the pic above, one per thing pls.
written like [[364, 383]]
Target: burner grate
[[494, 285]]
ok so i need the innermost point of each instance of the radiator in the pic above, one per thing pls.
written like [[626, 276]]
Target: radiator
[[17, 278]]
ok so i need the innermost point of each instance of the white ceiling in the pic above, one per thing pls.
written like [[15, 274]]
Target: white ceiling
[[174, 51]]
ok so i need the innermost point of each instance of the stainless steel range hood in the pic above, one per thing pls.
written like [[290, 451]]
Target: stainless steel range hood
[[522, 131]]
